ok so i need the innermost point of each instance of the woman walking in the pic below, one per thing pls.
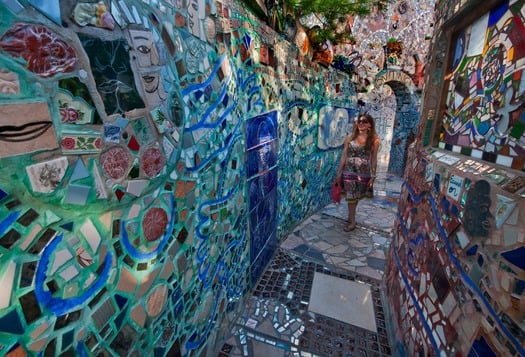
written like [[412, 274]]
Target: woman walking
[[357, 168]]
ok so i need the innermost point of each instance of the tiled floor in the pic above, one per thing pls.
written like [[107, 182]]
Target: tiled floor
[[321, 293]]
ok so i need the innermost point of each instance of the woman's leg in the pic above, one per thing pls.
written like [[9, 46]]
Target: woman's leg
[[350, 226]]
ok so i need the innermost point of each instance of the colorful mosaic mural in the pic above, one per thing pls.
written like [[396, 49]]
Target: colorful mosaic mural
[[153, 154], [484, 115], [455, 270]]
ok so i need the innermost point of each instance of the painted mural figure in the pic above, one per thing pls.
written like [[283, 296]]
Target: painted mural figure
[[357, 168]]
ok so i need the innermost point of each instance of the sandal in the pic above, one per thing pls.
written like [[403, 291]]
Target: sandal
[[349, 227]]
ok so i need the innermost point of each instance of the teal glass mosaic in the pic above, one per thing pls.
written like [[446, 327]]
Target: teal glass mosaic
[[136, 209]]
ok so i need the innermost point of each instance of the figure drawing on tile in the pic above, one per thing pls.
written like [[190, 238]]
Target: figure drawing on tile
[[357, 168]]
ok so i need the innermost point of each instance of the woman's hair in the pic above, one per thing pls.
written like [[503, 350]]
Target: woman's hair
[[372, 134]]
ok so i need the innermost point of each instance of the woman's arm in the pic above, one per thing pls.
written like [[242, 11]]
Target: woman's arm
[[342, 162], [373, 158]]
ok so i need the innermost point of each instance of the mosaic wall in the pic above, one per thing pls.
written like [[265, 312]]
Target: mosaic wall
[[455, 274], [153, 154]]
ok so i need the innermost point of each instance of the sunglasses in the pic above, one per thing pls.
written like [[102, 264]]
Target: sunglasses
[[362, 121]]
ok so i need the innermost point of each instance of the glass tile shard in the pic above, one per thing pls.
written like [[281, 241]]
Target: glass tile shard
[[77, 194], [11, 323], [50, 8], [6, 282], [79, 171], [30, 307]]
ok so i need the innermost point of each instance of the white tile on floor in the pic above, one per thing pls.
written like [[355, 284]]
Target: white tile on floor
[[343, 300], [369, 272]]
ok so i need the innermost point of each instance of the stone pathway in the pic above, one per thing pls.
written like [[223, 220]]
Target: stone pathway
[[279, 319]]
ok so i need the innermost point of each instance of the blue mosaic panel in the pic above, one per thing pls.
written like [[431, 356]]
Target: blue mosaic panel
[[261, 146]]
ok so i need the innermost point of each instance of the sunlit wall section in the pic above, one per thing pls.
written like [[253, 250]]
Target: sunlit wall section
[[456, 278]]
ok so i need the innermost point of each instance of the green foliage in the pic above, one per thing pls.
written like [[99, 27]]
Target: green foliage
[[331, 10], [332, 14]]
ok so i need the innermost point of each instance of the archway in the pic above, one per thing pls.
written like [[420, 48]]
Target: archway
[[404, 125]]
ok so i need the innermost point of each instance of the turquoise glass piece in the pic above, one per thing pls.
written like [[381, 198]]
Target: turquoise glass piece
[[50, 8]]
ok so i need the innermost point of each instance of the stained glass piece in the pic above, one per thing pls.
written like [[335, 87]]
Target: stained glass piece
[[480, 260], [120, 318], [441, 283], [516, 257], [11, 323], [30, 306], [6, 282], [8, 221], [133, 144], [28, 272], [14, 5], [67, 339], [472, 250], [519, 287], [9, 238], [28, 217], [50, 8], [480, 347], [183, 234], [119, 193], [79, 171], [68, 226], [136, 187], [122, 122], [42, 241], [121, 301], [3, 194], [77, 194], [518, 129], [497, 13]]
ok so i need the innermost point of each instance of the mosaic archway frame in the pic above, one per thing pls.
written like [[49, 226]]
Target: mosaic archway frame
[[402, 132]]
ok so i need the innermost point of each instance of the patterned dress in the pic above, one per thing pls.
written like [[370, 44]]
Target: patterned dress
[[356, 173]]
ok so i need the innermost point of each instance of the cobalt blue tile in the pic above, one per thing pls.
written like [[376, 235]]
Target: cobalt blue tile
[[516, 257], [472, 250], [480, 347], [2, 194]]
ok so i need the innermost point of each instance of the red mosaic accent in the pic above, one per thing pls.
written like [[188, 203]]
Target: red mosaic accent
[[133, 144], [152, 162], [119, 193], [45, 52], [68, 143], [154, 223], [115, 162], [69, 115]]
